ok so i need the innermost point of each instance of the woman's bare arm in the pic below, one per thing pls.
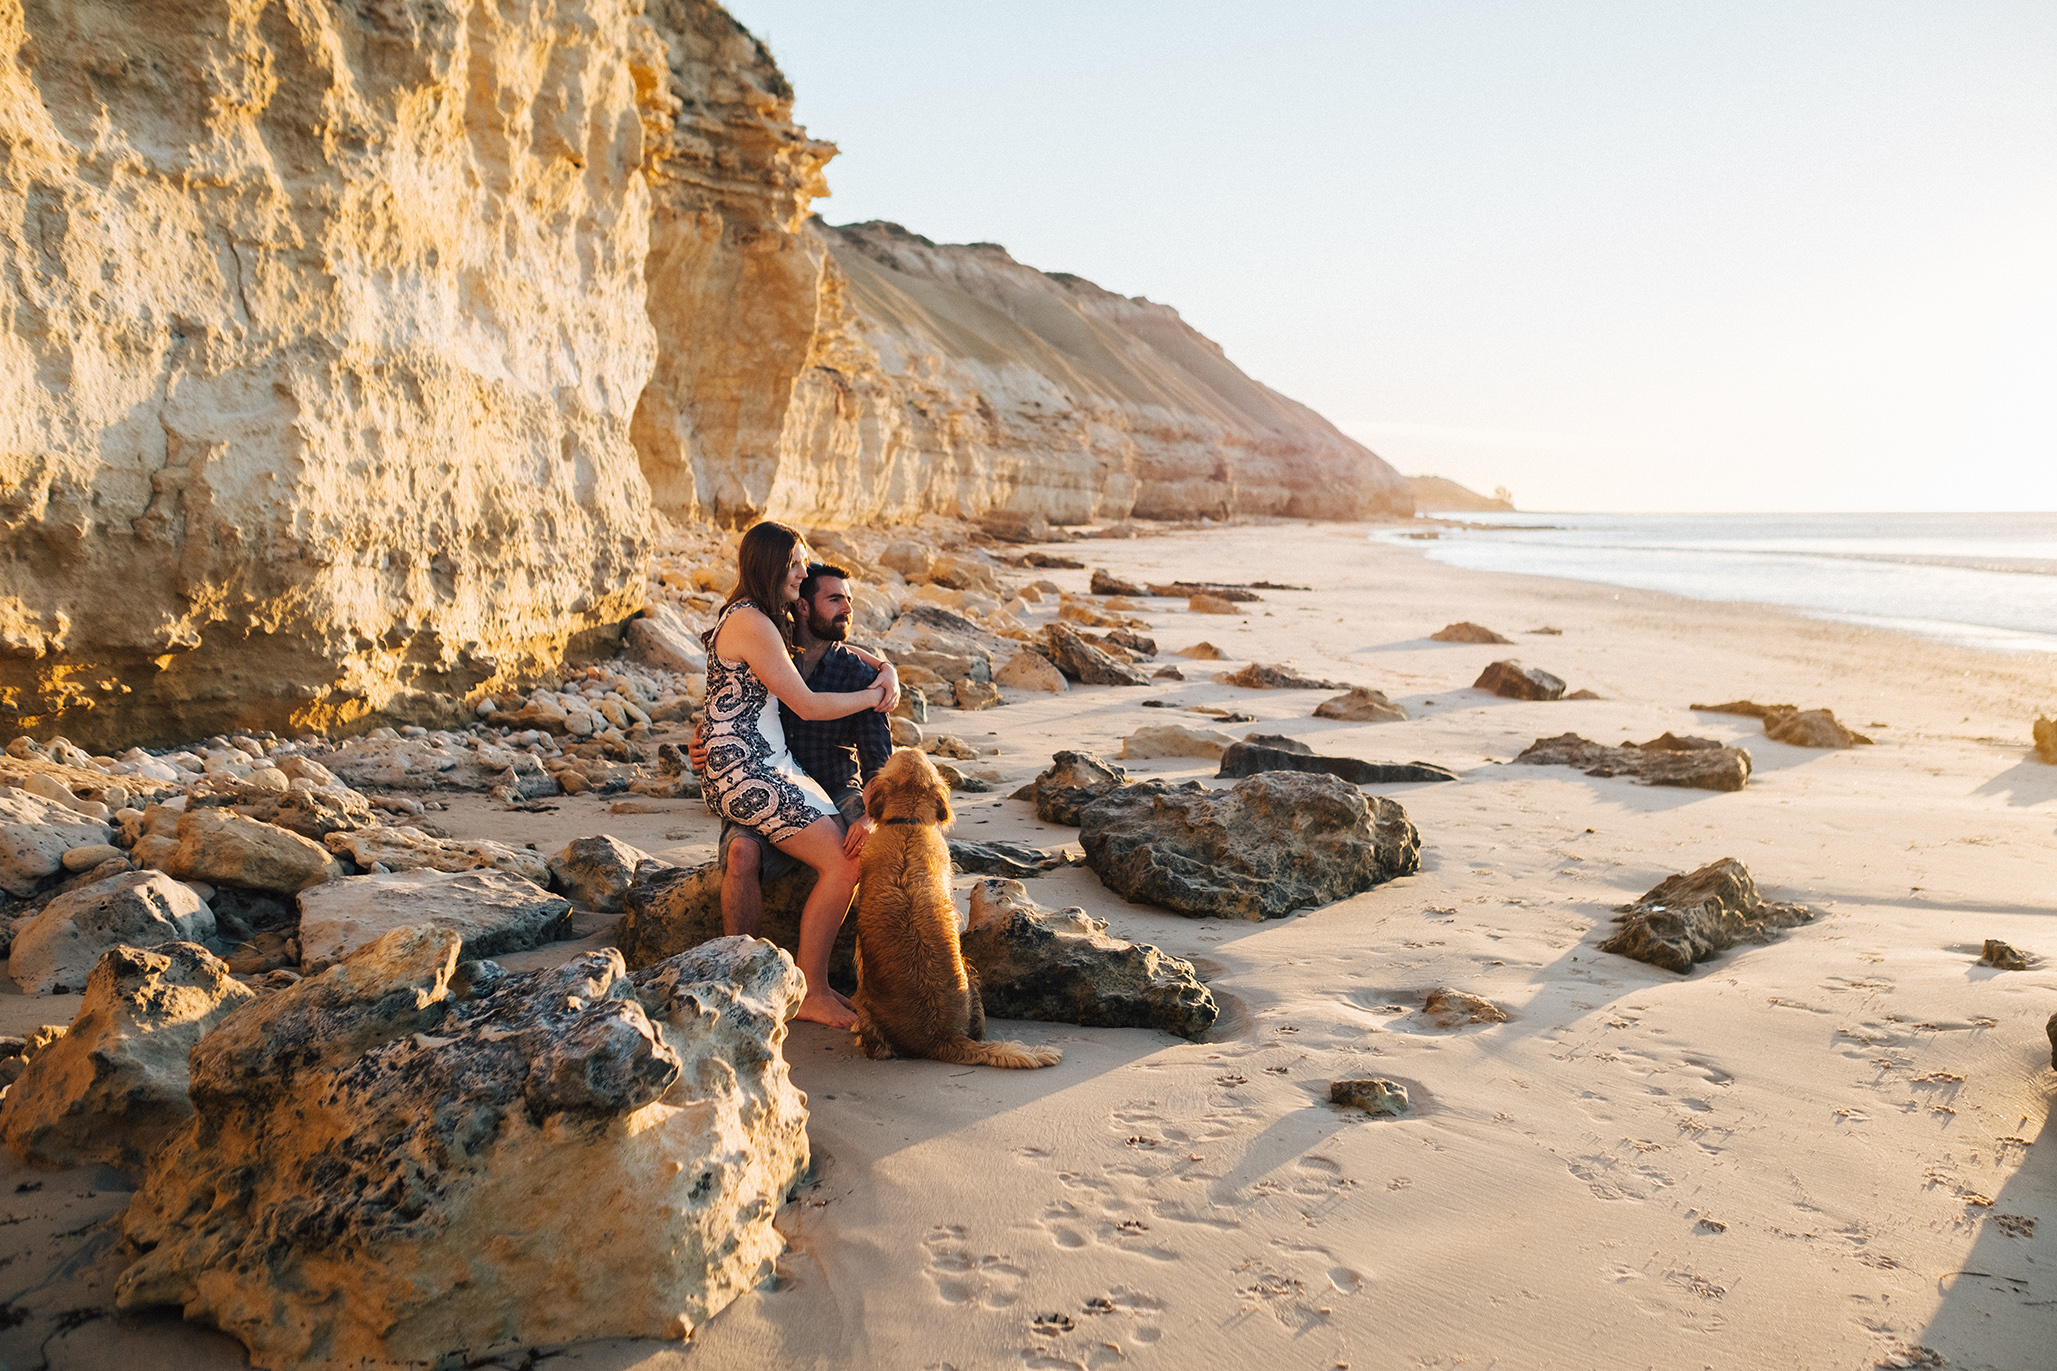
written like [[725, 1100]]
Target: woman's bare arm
[[749, 637], [888, 677]]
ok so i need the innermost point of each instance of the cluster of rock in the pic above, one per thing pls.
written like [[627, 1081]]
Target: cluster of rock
[[1688, 918], [1669, 760], [1792, 725]]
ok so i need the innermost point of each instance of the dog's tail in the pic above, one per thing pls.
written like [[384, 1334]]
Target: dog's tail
[[965, 1052]]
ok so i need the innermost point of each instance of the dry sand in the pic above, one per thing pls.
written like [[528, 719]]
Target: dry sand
[[1797, 1156]]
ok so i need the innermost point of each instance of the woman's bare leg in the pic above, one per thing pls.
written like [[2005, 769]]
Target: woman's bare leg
[[820, 845]]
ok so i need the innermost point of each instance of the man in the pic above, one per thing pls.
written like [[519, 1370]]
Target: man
[[842, 754]]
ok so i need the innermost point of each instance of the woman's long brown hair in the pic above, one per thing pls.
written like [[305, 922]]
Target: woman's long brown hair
[[761, 562]]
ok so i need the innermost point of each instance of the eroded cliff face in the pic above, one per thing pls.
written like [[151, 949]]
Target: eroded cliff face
[[325, 327]]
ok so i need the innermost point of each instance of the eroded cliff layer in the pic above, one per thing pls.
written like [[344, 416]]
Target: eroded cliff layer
[[325, 327]]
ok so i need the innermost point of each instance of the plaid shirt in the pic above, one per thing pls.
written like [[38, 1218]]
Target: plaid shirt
[[842, 753]]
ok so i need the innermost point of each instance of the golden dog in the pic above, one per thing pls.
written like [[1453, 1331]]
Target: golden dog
[[915, 995]]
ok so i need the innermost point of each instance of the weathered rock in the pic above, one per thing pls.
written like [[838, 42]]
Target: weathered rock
[[1073, 780], [1275, 842], [597, 871], [440, 762], [56, 951], [907, 733], [2002, 956], [1106, 583], [86, 858], [1513, 681], [1204, 603], [1185, 590], [1262, 676], [1123, 640], [1810, 728], [1465, 631], [1063, 967], [662, 639], [1010, 527], [949, 745], [1700, 768], [1081, 661], [114, 1087], [1201, 652], [1668, 741], [313, 814], [1029, 670], [1749, 709], [1174, 740], [1167, 673], [410, 849], [1248, 759], [668, 910], [1448, 1008], [35, 833], [1018, 861], [1372, 1094], [435, 1160], [1363, 705], [2044, 734], [221, 847], [974, 694], [1688, 918], [492, 912]]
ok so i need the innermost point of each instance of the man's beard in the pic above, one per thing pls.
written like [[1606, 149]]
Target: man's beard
[[828, 630]]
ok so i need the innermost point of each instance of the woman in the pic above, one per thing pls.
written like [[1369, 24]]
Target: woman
[[750, 775]]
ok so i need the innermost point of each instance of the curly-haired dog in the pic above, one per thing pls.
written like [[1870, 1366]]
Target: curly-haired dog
[[915, 995]]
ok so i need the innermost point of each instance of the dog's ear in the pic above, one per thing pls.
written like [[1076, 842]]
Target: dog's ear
[[941, 795], [874, 799]]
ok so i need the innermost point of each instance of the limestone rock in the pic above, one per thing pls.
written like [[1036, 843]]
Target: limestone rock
[[57, 950], [1018, 861], [1700, 768], [1201, 652], [1810, 728], [1072, 781], [1248, 759], [438, 762], [1064, 968], [1688, 918], [1263, 676], [410, 849], [660, 638], [1465, 631], [114, 1087], [35, 833], [1081, 661], [2002, 956], [1363, 705], [1107, 583], [973, 694], [1372, 1094], [492, 912], [1124, 644], [1204, 603], [221, 847], [403, 1161], [1030, 670], [2044, 732], [1513, 681], [86, 858], [597, 871], [1174, 740], [1448, 1008], [668, 910], [1275, 842], [906, 732], [311, 813]]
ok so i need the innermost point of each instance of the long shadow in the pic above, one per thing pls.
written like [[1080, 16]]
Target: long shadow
[[1821, 897], [2028, 782]]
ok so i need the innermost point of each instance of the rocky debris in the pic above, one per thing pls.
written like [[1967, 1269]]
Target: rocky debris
[[1363, 705], [597, 871], [492, 912], [1275, 842], [1203, 603], [1465, 631], [1448, 1008], [1513, 681], [1031, 670], [406, 848], [1018, 861], [667, 910], [2002, 956], [1372, 1094], [2044, 733], [1712, 767], [1063, 967], [1184, 590], [221, 847], [1072, 781], [406, 1160], [35, 833], [384, 760], [1174, 740], [1688, 918], [1249, 759], [312, 811], [56, 951], [1106, 583], [1080, 661], [1261, 676], [1201, 652], [1811, 728], [662, 639], [114, 1087]]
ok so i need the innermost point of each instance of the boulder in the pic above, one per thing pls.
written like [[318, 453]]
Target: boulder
[[906, 732], [1448, 1008], [1073, 780], [1204, 603], [908, 558], [221, 847], [1030, 670], [410, 1161], [1016, 860], [1279, 741], [1064, 968], [311, 813], [1275, 842], [1372, 1094], [1081, 661], [35, 833], [951, 746], [662, 639], [667, 910], [1688, 918], [2044, 733], [597, 871], [1699, 768], [1174, 740], [1124, 640], [1167, 673], [976, 694], [1011, 527], [1810, 728], [1361, 705], [1263, 676], [86, 858], [113, 1088], [1465, 631], [2002, 956], [56, 951], [1513, 681], [1105, 583], [1201, 652], [491, 912], [409, 849], [1248, 759]]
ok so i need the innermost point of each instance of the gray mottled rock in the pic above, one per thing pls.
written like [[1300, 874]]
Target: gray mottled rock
[[1279, 741], [492, 912], [409, 849], [1080, 661], [1264, 676], [596, 872], [2003, 956], [57, 950], [1064, 968], [1275, 842], [1073, 780], [1465, 631], [1658, 762], [667, 910], [1372, 1094], [114, 1087], [1361, 705], [405, 1160], [1016, 860], [1248, 759], [221, 847], [35, 833], [1513, 681], [1688, 918]]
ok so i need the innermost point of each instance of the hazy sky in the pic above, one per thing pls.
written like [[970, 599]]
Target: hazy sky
[[1638, 255]]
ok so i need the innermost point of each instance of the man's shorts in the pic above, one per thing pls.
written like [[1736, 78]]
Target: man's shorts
[[772, 863]]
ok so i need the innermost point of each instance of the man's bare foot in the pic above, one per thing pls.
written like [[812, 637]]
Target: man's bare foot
[[830, 1008]]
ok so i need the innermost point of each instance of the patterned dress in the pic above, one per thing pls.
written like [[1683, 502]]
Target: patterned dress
[[751, 776]]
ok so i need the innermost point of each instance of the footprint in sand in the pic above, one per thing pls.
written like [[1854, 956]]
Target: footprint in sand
[[965, 1278]]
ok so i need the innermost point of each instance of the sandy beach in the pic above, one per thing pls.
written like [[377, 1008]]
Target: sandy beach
[[1828, 1151]]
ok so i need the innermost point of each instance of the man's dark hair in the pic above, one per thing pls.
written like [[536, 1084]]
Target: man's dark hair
[[815, 571]]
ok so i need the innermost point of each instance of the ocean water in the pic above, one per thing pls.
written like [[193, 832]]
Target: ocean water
[[1981, 580]]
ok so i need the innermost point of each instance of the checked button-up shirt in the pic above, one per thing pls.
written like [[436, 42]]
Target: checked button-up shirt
[[842, 753]]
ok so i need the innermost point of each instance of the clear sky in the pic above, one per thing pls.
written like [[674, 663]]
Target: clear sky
[[1641, 255]]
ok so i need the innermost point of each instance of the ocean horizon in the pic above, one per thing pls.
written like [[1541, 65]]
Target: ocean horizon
[[1978, 580]]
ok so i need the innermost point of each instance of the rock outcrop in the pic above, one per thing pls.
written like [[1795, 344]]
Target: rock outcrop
[[1072, 781], [1250, 759], [408, 1161], [668, 910], [1792, 725], [1661, 761], [490, 912], [1361, 705], [1688, 918], [35, 833], [1512, 681]]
